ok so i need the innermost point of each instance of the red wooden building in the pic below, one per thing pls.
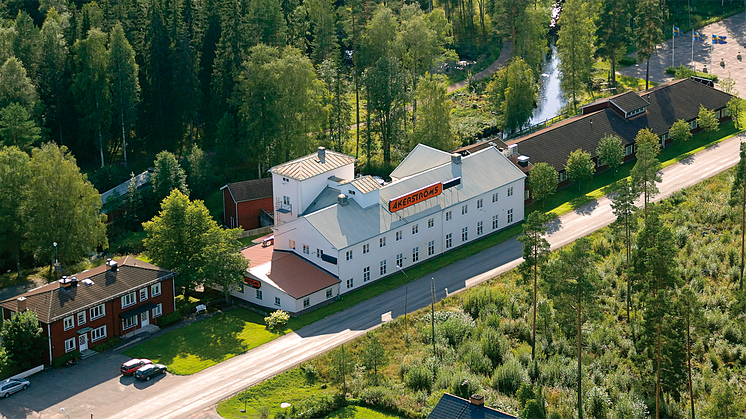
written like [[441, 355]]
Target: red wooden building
[[244, 204], [118, 299]]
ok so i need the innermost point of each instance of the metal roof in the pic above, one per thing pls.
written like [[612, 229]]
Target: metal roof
[[419, 160], [310, 165], [365, 184], [249, 190]]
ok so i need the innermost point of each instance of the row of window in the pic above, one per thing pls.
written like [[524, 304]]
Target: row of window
[[131, 298], [130, 322], [306, 301], [94, 312], [96, 334]]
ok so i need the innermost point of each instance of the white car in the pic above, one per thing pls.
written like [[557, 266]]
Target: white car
[[12, 385]]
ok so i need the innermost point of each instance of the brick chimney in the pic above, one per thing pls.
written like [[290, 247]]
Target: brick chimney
[[21, 304], [476, 400]]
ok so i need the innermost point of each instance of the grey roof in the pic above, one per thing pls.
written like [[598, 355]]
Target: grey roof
[[310, 165], [140, 180], [452, 407], [51, 302], [480, 173], [249, 190], [420, 159], [481, 145], [669, 102], [326, 198], [629, 101], [365, 184]]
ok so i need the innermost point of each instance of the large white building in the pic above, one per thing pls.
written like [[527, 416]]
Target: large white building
[[335, 233]]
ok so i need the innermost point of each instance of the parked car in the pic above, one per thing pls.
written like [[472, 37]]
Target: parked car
[[146, 372], [12, 385], [129, 367]]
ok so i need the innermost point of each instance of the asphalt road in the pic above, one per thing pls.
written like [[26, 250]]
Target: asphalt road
[[94, 387]]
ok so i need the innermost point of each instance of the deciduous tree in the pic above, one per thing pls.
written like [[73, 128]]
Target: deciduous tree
[[610, 152], [648, 33], [16, 86], [579, 167], [167, 176], [575, 47], [62, 207], [542, 181], [14, 176], [645, 175], [707, 121], [520, 95], [434, 128], [736, 107], [680, 131], [23, 339], [17, 128], [374, 357], [125, 88]]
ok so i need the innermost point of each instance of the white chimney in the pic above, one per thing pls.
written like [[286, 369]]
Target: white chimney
[[456, 158], [21, 304]]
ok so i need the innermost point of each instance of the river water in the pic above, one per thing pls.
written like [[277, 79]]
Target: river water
[[550, 100]]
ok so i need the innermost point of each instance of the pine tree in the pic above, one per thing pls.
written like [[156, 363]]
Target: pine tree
[[575, 47], [54, 77], [613, 32], [623, 206], [17, 128], [645, 175], [14, 173], [648, 32], [738, 196]]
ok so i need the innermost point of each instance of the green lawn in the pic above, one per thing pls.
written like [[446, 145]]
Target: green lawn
[[270, 394], [358, 412], [205, 343]]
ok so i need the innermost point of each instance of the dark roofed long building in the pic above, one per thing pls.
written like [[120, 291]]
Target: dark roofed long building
[[622, 115], [118, 299]]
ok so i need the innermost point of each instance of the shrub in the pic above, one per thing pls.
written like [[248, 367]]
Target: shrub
[[169, 319], [472, 356], [509, 376], [456, 328], [107, 345], [484, 299], [597, 403], [418, 377], [494, 345], [277, 320]]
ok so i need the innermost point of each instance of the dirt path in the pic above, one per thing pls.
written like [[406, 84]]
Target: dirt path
[[505, 53]]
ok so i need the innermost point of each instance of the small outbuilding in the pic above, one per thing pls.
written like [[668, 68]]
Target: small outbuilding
[[248, 204]]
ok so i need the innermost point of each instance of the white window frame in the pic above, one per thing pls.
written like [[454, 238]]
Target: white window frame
[[128, 325], [291, 244], [306, 302], [494, 222], [157, 310], [431, 248], [382, 241], [129, 299], [68, 322], [448, 216], [277, 301], [464, 234], [415, 229], [480, 228], [98, 333], [99, 311], [510, 191], [416, 254], [306, 249], [348, 255], [449, 240], [431, 222], [510, 215], [328, 293], [382, 267], [464, 209], [366, 274], [495, 197], [258, 294], [400, 259], [350, 283], [399, 235], [81, 317], [366, 248], [480, 203], [319, 253], [143, 293], [155, 289], [70, 344]]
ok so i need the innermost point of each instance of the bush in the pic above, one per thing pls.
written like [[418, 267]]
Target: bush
[[509, 376], [682, 72], [107, 345], [169, 319], [472, 356], [456, 328], [484, 299], [277, 320], [418, 377], [494, 345]]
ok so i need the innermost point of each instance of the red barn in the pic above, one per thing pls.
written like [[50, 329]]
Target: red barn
[[246, 203], [118, 299]]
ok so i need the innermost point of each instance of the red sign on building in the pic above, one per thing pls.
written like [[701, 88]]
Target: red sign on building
[[415, 197]]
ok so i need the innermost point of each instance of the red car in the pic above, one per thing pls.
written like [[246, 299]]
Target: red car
[[129, 367]]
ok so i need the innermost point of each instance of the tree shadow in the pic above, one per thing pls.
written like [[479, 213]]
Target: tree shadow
[[218, 338], [584, 205], [554, 225]]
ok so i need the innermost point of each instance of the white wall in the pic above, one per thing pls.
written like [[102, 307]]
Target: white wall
[[287, 303], [302, 232]]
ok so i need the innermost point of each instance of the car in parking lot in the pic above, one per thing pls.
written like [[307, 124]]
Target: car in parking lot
[[129, 367], [12, 385], [146, 372]]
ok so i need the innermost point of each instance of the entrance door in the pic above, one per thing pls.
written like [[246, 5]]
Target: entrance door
[[145, 319], [83, 342]]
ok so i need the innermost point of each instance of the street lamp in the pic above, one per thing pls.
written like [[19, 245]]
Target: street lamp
[[62, 408], [402, 271], [55, 252]]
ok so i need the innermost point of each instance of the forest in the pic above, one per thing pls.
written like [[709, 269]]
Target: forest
[[642, 319]]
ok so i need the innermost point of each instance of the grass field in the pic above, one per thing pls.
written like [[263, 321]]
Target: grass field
[[358, 412], [203, 344]]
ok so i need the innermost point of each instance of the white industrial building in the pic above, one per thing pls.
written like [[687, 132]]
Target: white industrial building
[[335, 233]]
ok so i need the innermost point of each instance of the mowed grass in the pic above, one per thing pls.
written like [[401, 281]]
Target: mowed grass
[[358, 412], [202, 344], [289, 387]]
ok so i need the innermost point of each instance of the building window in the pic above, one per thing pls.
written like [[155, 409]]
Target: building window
[[130, 322], [398, 235], [329, 293], [158, 310], [286, 200], [479, 203], [510, 191], [561, 176], [494, 197], [415, 254], [348, 255], [383, 267], [100, 311], [69, 322], [129, 299], [143, 294], [70, 345], [431, 248], [479, 228], [465, 234], [155, 289], [306, 302], [258, 294], [415, 229], [366, 274], [366, 248], [510, 215], [449, 241], [494, 222], [431, 223], [81, 317], [382, 242], [98, 333], [693, 124], [319, 253], [350, 283], [628, 150], [291, 244], [277, 301], [448, 215], [400, 260], [464, 209], [285, 179], [306, 249]]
